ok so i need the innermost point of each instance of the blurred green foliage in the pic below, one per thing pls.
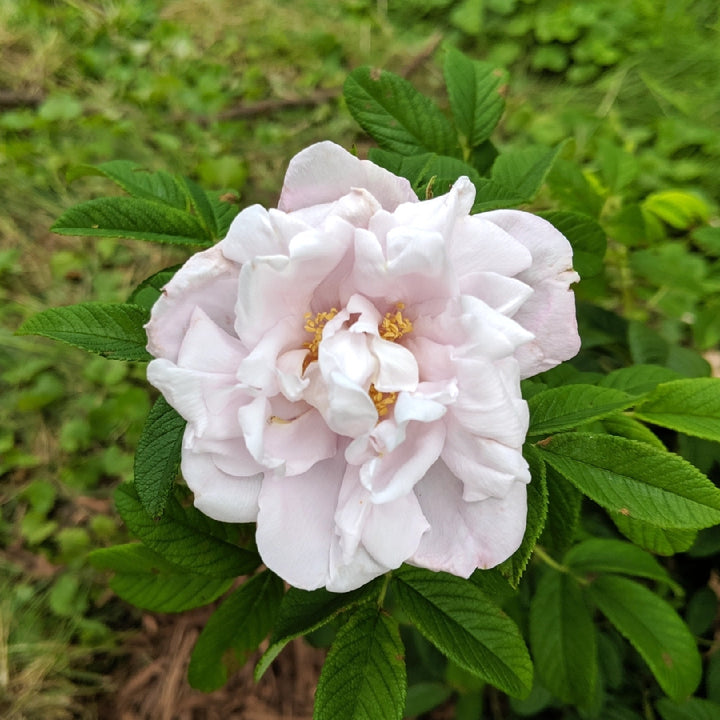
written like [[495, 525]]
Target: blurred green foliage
[[226, 93]]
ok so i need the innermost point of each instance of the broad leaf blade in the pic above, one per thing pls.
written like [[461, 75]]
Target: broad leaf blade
[[157, 457], [563, 639], [240, 623], [396, 114], [688, 406], [476, 100], [605, 555], [148, 581], [658, 540], [563, 515], [304, 611], [114, 331], [154, 186], [364, 675], [184, 539], [567, 407], [149, 290], [638, 379], [202, 205], [457, 617], [635, 479], [654, 629], [524, 170], [132, 218]]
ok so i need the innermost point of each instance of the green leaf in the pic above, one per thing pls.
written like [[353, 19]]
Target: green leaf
[[587, 238], [563, 516], [658, 540], [225, 209], [677, 208], [185, 537], [133, 218], [456, 617], [154, 186], [654, 629], [114, 331], [629, 428], [524, 170], [691, 709], [364, 675], [157, 457], [202, 205], [690, 406], [537, 502], [240, 623], [149, 290], [146, 580], [638, 379], [635, 479], [424, 696], [304, 611], [476, 100], [396, 114], [421, 170], [563, 639], [566, 407], [606, 555]]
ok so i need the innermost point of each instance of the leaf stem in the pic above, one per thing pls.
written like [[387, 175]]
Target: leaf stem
[[540, 552], [383, 589]]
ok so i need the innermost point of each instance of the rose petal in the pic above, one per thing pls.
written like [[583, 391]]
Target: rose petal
[[324, 172], [550, 312], [464, 536]]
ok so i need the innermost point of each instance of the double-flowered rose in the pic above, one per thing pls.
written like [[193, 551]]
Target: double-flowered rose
[[349, 367]]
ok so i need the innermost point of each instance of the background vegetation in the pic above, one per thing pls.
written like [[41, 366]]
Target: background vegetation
[[226, 93]]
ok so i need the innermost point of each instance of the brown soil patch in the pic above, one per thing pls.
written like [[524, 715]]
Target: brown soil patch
[[151, 681]]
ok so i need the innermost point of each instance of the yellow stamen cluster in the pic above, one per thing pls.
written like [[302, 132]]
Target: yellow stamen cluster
[[395, 325], [383, 401], [392, 327], [315, 326]]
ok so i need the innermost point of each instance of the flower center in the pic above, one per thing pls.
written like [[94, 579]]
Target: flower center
[[392, 327]]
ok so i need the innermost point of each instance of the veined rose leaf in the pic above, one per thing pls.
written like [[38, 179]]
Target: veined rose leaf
[[240, 623], [690, 406], [303, 611], [133, 218], [475, 92], [157, 457], [638, 379], [563, 639], [606, 555], [635, 479], [563, 515], [399, 117], [691, 709], [524, 170], [202, 205], [537, 501], [457, 617], [364, 675], [150, 289], [627, 427], [183, 536], [654, 629], [157, 186], [568, 406], [423, 169], [114, 331], [586, 237], [147, 580], [225, 209], [658, 540]]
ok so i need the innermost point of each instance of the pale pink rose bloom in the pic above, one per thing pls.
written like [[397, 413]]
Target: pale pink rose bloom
[[349, 367]]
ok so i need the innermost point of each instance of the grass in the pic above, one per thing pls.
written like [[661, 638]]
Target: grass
[[227, 92]]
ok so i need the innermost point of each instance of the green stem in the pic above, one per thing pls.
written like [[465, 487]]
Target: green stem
[[383, 589], [540, 552]]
